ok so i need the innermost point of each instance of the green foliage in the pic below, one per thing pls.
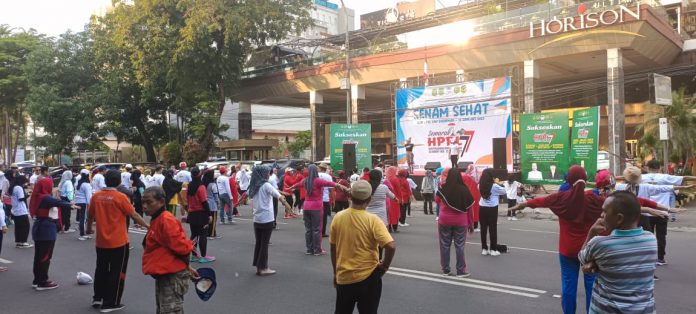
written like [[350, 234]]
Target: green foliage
[[303, 141], [171, 153], [681, 117], [194, 153]]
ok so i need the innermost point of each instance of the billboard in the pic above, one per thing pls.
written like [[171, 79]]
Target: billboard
[[584, 140], [468, 115], [403, 11], [358, 134], [544, 147]]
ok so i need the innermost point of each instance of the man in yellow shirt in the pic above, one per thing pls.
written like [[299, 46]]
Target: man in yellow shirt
[[356, 236]]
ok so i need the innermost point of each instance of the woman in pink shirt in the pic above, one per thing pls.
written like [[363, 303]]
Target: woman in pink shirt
[[456, 218], [313, 205]]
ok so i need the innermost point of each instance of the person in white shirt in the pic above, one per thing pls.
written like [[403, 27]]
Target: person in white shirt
[[323, 168], [34, 176], [183, 175], [67, 193], [490, 193], [158, 177], [83, 195], [98, 181], [355, 176], [454, 151], [3, 230], [243, 179], [534, 174], [126, 176], [511, 188], [655, 176], [20, 213], [223, 186]]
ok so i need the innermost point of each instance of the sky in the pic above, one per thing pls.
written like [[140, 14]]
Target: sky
[[54, 17]]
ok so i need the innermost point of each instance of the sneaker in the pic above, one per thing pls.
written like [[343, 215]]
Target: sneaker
[[477, 230], [24, 245], [464, 275], [266, 272], [514, 218], [656, 278], [406, 225], [308, 252], [34, 285], [194, 259], [48, 285], [3, 269], [205, 260], [70, 231], [509, 218], [661, 262], [437, 218], [111, 308], [320, 253], [495, 253], [96, 304], [222, 222], [485, 252], [82, 238], [446, 274]]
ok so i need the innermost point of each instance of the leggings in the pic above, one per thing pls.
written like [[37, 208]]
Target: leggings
[[81, 218], [298, 202], [201, 232], [21, 228], [402, 217], [489, 222], [65, 216], [427, 203]]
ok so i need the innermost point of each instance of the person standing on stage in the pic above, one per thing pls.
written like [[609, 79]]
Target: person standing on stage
[[454, 151]]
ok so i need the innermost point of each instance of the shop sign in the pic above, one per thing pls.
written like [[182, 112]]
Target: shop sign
[[583, 21]]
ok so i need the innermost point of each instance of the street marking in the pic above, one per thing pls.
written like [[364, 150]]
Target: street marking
[[537, 231], [557, 296], [521, 248], [470, 280], [463, 284], [4, 261]]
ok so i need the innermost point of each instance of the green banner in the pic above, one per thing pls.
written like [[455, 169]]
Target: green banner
[[544, 147], [584, 140], [358, 134]]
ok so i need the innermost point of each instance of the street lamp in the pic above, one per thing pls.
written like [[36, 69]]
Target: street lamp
[[346, 83]]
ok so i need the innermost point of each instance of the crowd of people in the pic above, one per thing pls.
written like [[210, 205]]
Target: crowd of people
[[369, 207]]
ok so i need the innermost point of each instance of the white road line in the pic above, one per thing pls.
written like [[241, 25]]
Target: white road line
[[418, 272], [463, 284], [520, 248], [537, 231], [4, 261]]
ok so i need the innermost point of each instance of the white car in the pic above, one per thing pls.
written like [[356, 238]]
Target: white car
[[602, 160]]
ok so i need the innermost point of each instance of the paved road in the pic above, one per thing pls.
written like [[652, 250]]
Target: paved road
[[526, 280]]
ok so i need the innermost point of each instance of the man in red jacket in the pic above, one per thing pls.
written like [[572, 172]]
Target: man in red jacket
[[166, 255]]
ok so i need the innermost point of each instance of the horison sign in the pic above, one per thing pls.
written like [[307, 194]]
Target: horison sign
[[583, 20]]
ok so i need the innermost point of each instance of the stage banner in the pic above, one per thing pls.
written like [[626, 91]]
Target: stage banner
[[358, 134], [584, 140], [466, 116], [544, 147]]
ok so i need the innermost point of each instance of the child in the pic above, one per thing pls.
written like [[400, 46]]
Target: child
[[166, 253], [512, 190]]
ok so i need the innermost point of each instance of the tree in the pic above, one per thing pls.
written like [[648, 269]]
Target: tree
[[303, 141], [194, 153], [62, 79]]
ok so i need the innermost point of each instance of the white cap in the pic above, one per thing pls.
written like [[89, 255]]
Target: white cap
[[129, 166], [84, 171]]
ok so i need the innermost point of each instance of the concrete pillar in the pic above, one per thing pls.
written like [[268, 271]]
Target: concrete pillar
[[357, 93], [244, 117], [531, 74], [615, 107], [314, 99]]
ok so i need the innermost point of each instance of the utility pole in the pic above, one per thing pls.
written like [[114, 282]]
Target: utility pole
[[347, 78]]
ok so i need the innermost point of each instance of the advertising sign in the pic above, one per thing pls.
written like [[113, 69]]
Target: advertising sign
[[584, 140], [544, 147], [403, 11], [358, 134], [465, 116], [587, 18]]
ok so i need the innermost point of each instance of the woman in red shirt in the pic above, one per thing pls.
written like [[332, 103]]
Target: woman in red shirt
[[342, 197], [405, 196], [198, 216], [393, 206]]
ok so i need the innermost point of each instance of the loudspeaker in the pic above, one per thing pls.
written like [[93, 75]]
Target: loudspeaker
[[462, 165], [348, 157], [499, 153], [432, 165]]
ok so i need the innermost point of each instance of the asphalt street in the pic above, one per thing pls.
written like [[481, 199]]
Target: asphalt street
[[525, 280]]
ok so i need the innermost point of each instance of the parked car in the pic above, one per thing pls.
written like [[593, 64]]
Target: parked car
[[214, 165], [602, 160], [112, 166]]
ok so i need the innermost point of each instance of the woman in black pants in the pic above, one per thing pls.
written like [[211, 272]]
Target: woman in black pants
[[490, 195], [20, 213], [427, 190], [198, 216]]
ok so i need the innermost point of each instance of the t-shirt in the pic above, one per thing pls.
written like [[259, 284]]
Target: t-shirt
[[157, 179], [183, 176], [33, 178], [453, 217], [626, 262], [195, 202], [126, 179], [493, 200], [454, 150], [664, 198], [649, 191], [314, 200], [378, 203], [357, 235], [19, 206], [263, 203], [243, 179], [326, 177], [223, 185], [110, 209], [511, 189], [213, 195]]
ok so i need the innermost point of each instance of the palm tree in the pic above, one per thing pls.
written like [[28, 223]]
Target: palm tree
[[681, 116]]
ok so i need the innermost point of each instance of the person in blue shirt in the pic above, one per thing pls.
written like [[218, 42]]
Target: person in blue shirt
[[488, 214]]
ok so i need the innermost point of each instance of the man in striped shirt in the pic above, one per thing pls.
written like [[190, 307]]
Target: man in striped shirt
[[624, 260]]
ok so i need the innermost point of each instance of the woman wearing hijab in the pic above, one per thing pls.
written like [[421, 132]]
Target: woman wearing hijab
[[83, 195], [198, 216], [213, 194], [67, 193], [20, 213], [456, 218], [342, 197], [406, 194], [394, 206], [171, 188], [490, 197], [45, 229], [313, 206], [262, 194], [380, 193], [138, 188], [577, 211], [427, 191], [471, 181]]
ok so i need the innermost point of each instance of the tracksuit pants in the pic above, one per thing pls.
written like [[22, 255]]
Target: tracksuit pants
[[110, 275]]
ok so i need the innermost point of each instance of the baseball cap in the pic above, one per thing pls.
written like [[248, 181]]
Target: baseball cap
[[206, 283], [102, 168], [84, 171], [360, 190], [223, 170], [603, 179], [182, 165], [129, 166]]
